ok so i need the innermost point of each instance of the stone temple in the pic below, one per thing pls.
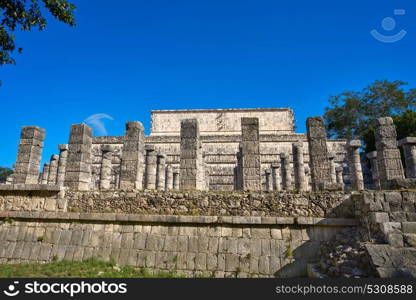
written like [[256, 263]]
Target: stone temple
[[218, 138], [216, 192]]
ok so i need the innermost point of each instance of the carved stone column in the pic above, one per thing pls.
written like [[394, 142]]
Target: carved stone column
[[29, 155], [106, 167]]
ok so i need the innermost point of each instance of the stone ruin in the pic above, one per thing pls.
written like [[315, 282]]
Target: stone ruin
[[228, 193], [216, 150]]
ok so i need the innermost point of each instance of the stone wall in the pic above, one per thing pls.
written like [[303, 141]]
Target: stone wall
[[217, 204], [223, 121], [388, 221], [181, 203], [191, 245]]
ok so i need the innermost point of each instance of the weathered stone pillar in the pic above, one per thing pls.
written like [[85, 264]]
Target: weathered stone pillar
[[29, 155], [269, 182], [117, 180], [132, 157], [53, 169], [176, 174], [161, 171], [276, 176], [332, 157], [286, 172], [63, 158], [318, 153], [9, 179], [340, 177], [106, 166], [169, 178], [151, 167], [78, 167], [354, 163], [45, 173], [250, 163], [409, 151], [388, 155], [192, 173], [299, 166], [372, 157], [307, 174]]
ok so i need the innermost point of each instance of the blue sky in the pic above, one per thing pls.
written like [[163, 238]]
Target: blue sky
[[127, 59]]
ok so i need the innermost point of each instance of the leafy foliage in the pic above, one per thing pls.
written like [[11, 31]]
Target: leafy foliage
[[351, 114], [25, 15], [4, 172]]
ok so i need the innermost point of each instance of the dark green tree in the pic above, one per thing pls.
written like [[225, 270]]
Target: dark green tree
[[4, 172], [351, 114], [26, 15]]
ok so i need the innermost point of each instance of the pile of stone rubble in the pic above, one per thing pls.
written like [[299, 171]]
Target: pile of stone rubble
[[344, 256]]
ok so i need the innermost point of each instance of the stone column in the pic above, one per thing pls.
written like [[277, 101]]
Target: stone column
[[161, 171], [117, 180], [63, 158], [78, 167], [29, 155], [286, 172], [45, 173], [9, 179], [169, 178], [307, 174], [269, 182], [192, 173], [372, 156], [409, 151], [340, 177], [299, 166], [175, 173], [354, 163], [318, 153], [151, 167], [276, 176], [250, 163], [332, 157], [132, 157], [53, 169], [388, 155], [106, 166]]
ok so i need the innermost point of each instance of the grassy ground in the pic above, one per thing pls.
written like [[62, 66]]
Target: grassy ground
[[91, 268]]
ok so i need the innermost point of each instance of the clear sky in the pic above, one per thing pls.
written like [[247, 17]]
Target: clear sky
[[125, 58]]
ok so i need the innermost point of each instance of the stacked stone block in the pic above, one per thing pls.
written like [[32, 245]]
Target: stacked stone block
[[269, 182], [78, 168], [132, 160], [45, 173], [161, 171], [53, 169], [409, 151], [249, 156], [276, 176], [63, 158], [192, 173], [286, 172], [169, 178], [208, 246], [150, 167], [106, 167], [29, 155], [318, 155], [388, 155], [372, 157], [332, 157], [175, 178], [299, 166], [354, 162]]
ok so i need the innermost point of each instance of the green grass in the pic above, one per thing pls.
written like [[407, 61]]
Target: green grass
[[91, 268]]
